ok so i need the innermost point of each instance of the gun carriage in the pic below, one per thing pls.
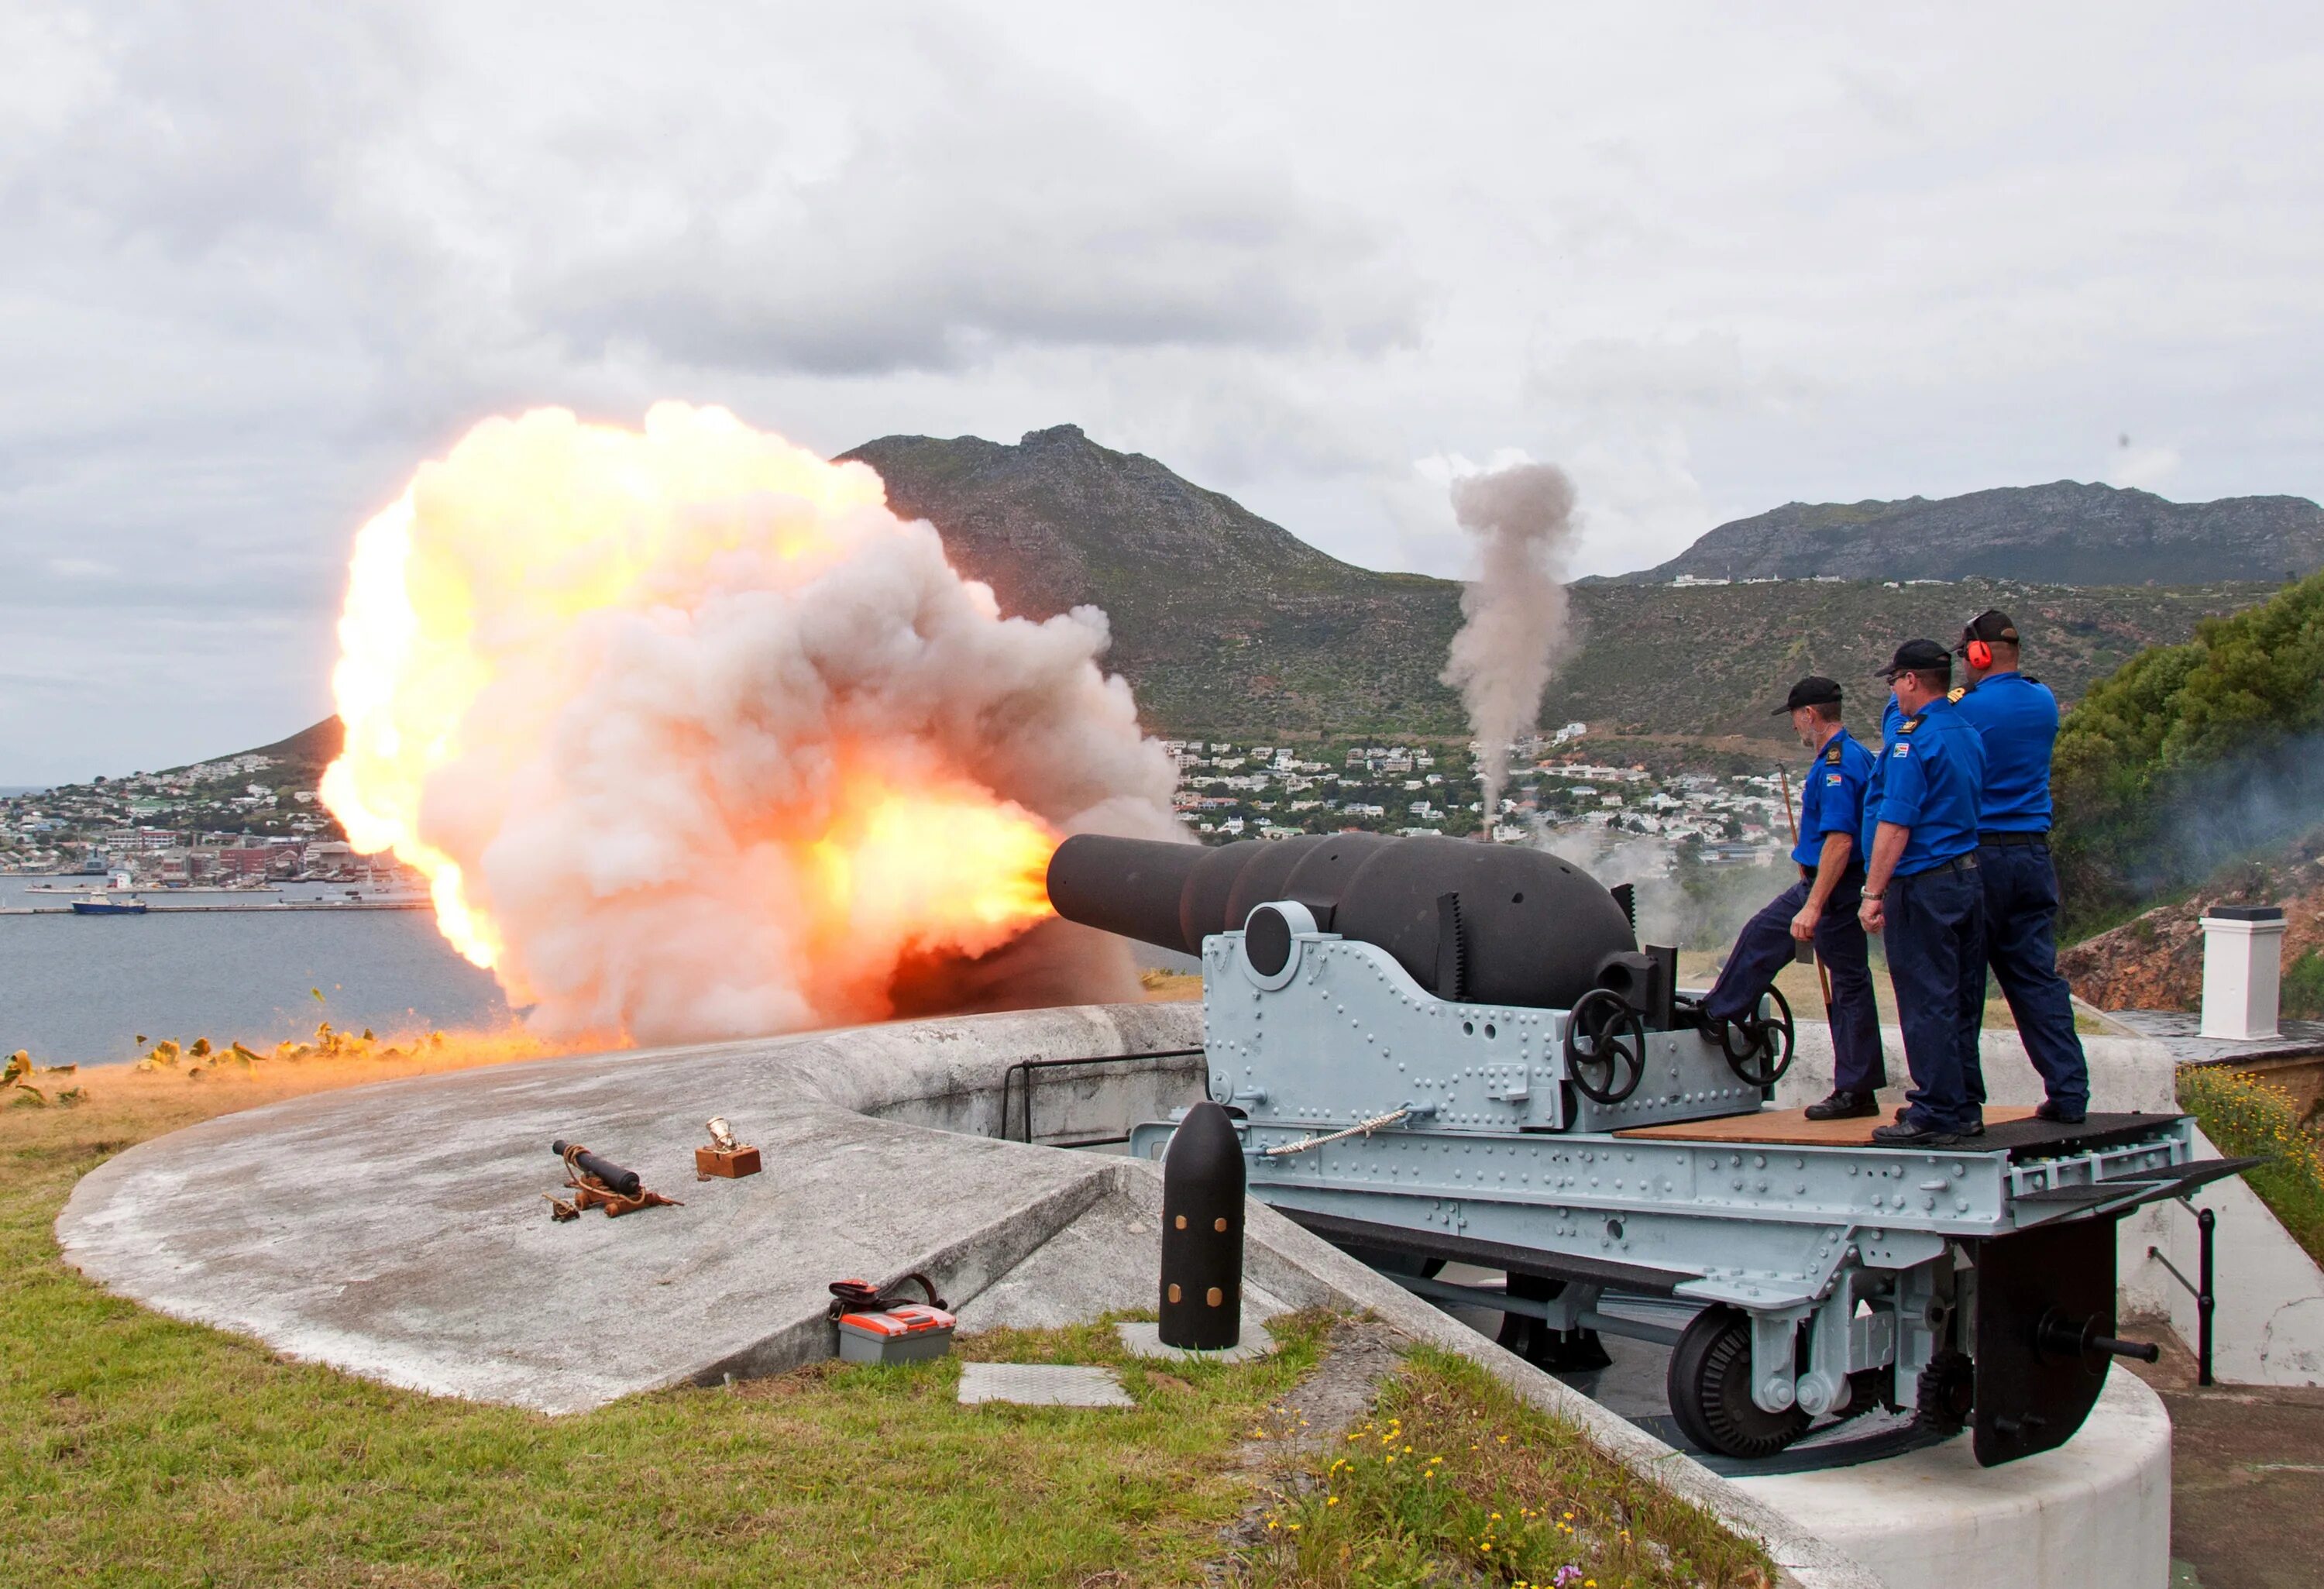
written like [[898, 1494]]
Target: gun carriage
[[1436, 1051]]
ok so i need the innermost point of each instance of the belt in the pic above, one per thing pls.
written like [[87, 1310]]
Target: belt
[[1852, 870], [2004, 840], [1957, 863]]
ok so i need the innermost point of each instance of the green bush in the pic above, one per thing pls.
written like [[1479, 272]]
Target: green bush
[[2168, 767], [2304, 987]]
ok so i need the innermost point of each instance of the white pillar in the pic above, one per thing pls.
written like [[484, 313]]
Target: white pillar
[[2243, 971]]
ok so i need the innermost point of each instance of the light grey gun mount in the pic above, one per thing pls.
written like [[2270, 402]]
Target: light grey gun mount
[[1438, 1051]]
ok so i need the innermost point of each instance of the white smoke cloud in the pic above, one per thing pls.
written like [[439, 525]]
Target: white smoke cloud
[[1513, 627], [699, 740]]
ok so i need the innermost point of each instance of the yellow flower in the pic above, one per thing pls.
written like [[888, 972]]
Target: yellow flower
[[1331, 1500]]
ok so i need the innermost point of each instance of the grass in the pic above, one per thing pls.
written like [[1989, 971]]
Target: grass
[[2246, 1116], [135, 1450], [1453, 1479]]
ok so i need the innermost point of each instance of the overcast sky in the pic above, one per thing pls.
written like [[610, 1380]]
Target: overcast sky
[[256, 261]]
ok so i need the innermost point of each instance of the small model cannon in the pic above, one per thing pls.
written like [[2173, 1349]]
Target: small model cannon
[[1433, 1051], [599, 1182]]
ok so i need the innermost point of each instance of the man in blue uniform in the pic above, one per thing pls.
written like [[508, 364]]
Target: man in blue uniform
[[1819, 909], [1921, 891], [2017, 717]]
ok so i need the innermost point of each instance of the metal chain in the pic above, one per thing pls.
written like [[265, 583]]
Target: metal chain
[[1362, 1128]]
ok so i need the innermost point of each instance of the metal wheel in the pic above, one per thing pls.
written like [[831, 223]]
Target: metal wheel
[[1605, 1045], [1758, 1048], [1709, 1387]]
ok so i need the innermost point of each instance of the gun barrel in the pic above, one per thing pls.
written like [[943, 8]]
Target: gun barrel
[[617, 1180], [1482, 923]]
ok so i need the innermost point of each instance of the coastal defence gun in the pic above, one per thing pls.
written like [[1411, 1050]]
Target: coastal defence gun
[[1436, 1051]]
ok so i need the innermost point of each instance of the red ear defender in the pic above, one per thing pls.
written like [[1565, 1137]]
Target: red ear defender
[[1980, 655]]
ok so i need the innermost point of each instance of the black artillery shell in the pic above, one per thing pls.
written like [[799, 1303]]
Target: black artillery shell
[[1202, 1233]]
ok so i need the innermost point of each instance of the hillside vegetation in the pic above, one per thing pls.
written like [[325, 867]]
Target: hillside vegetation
[[2192, 754], [1229, 625]]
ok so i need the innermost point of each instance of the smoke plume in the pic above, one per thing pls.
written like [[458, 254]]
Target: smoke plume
[[696, 739], [1513, 630]]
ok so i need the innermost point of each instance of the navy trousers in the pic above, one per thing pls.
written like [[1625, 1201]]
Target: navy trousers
[[1935, 924], [2019, 945], [1764, 947]]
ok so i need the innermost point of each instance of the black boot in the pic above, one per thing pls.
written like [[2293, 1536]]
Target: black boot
[[1845, 1105]]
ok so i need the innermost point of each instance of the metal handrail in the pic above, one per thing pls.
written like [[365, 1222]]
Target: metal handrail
[[1026, 1068], [2206, 1222]]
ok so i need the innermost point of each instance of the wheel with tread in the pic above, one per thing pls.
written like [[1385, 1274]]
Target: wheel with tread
[[1709, 1387], [1605, 1045]]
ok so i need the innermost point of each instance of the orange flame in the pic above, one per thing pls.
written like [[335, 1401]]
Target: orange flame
[[496, 607]]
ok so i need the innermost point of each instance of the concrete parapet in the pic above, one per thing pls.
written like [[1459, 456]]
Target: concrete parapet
[[2093, 1514]]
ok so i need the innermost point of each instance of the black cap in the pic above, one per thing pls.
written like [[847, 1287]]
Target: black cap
[[1814, 691], [1919, 656], [1989, 625]]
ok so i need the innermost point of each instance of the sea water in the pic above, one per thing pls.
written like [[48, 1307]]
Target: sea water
[[81, 989]]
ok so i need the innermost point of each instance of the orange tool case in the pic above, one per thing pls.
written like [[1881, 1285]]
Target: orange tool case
[[907, 1332]]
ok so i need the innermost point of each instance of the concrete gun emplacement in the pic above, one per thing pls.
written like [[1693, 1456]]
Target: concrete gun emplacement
[[1436, 1051]]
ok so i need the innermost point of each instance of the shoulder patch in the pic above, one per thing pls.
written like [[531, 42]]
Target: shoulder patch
[[1832, 756], [1909, 724], [2029, 678], [1956, 692]]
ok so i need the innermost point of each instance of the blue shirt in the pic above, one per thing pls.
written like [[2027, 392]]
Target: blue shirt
[[1832, 801], [1932, 770], [1891, 714], [2017, 719]]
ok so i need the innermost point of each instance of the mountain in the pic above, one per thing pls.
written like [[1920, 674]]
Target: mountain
[[1711, 661], [1219, 616], [2063, 534], [1228, 624]]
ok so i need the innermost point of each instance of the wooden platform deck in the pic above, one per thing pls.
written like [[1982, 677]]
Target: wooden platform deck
[[2007, 1130], [1790, 1128]]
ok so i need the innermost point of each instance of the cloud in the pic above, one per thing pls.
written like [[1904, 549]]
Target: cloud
[[263, 258], [994, 212], [2145, 468]]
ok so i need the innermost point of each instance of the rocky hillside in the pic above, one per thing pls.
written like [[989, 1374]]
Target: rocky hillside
[[1221, 619], [2063, 534], [1229, 623], [2154, 961]]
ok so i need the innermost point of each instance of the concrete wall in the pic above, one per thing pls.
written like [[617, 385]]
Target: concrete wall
[[2268, 1326]]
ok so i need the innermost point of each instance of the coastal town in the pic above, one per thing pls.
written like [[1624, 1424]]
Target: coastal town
[[241, 822], [1229, 790], [252, 819]]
